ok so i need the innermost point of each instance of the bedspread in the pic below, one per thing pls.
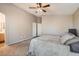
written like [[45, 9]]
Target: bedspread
[[45, 48]]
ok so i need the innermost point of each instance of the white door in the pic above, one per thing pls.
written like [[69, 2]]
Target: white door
[[39, 29], [36, 30], [33, 29]]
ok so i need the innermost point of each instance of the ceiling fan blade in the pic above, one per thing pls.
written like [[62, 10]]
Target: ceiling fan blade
[[32, 7], [43, 10], [40, 4], [46, 6]]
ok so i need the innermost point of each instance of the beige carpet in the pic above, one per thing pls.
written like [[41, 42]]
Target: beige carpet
[[18, 49]]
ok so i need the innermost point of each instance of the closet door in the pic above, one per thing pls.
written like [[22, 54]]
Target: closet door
[[33, 29], [39, 29], [36, 29]]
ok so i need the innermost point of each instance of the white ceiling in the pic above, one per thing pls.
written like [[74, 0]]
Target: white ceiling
[[54, 9]]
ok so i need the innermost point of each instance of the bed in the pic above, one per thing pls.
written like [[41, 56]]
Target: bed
[[50, 45]]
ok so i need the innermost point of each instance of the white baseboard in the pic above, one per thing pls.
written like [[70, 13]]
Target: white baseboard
[[19, 41]]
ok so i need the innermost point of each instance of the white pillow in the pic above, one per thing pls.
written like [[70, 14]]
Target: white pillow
[[66, 37], [76, 39]]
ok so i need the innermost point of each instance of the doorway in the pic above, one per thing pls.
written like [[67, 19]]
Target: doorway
[[2, 30]]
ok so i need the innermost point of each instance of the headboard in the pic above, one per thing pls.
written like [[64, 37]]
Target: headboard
[[73, 31]]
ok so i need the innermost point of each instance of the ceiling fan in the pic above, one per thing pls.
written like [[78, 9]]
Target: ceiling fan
[[40, 6]]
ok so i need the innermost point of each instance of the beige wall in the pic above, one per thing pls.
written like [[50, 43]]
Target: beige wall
[[18, 23], [56, 24], [76, 20], [39, 20]]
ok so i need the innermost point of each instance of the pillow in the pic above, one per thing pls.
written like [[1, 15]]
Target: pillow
[[75, 39], [66, 37], [74, 47]]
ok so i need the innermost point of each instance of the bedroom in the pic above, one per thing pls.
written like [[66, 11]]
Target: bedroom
[[56, 21]]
